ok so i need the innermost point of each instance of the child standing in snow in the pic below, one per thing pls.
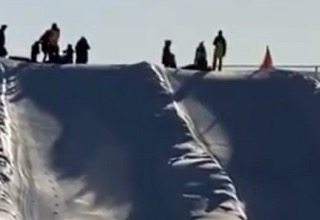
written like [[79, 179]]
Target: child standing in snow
[[68, 54], [35, 51]]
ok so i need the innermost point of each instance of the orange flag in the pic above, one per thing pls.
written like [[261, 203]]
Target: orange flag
[[267, 63]]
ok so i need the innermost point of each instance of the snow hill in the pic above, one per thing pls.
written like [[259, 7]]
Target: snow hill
[[143, 142]]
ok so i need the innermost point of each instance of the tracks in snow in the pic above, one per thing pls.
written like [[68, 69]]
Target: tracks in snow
[[8, 208]]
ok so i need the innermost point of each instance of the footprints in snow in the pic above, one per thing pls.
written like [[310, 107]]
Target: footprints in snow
[[55, 193]]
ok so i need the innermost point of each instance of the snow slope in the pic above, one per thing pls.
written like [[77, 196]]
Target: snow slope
[[143, 142], [104, 143], [266, 132]]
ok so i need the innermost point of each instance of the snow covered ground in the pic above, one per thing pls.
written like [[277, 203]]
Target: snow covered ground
[[143, 142]]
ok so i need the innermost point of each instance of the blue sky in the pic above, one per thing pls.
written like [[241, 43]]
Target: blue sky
[[128, 31]]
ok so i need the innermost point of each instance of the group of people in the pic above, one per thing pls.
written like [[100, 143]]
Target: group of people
[[48, 44], [200, 60]]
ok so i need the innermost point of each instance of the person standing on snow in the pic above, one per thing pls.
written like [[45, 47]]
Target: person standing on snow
[[68, 55], [220, 50], [82, 48], [54, 43], [44, 41], [200, 60], [3, 50], [35, 50], [168, 58], [50, 43]]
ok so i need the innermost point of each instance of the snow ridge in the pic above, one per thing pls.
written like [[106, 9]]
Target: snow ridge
[[197, 161], [8, 208]]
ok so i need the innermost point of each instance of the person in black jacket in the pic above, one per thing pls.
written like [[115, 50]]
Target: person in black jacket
[[3, 50], [82, 48], [168, 58], [200, 60], [68, 54], [220, 49], [35, 51]]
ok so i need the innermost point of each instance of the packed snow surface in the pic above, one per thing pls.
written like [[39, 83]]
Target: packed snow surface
[[142, 142]]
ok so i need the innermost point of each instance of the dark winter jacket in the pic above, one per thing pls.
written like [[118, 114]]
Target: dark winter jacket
[[82, 48], [220, 46], [2, 38], [168, 58]]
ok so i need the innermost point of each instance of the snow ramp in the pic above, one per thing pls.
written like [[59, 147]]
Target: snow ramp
[[103, 142], [264, 127], [143, 142]]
